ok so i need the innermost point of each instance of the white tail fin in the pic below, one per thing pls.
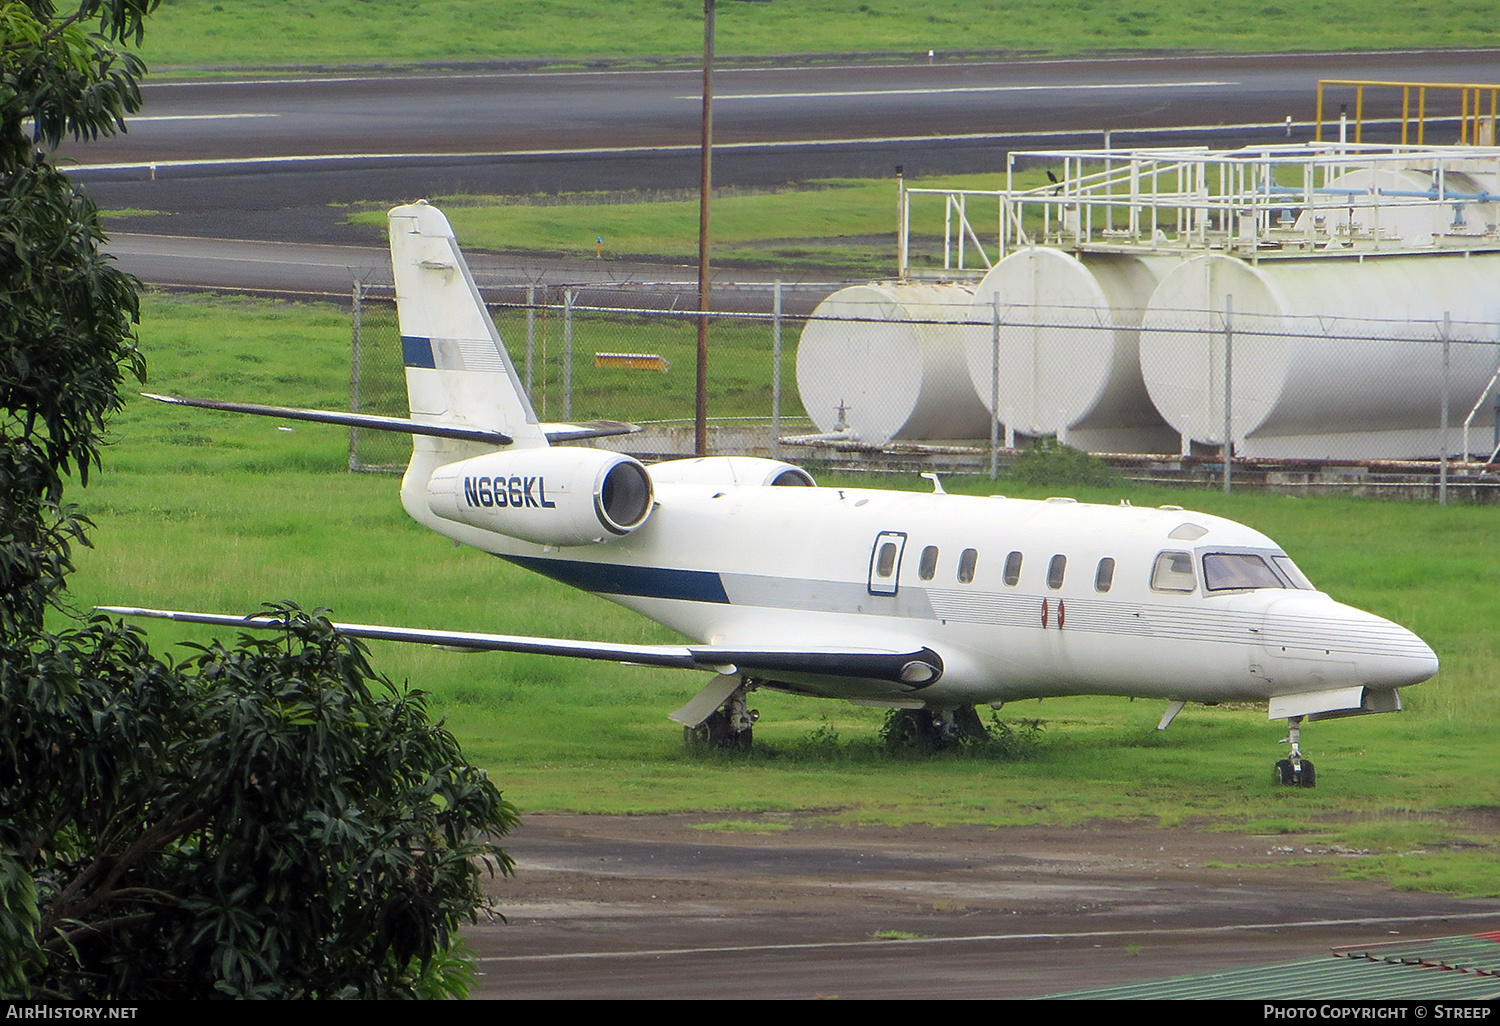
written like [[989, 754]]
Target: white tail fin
[[457, 370]]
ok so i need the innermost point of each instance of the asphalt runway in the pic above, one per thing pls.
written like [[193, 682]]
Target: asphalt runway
[[592, 113], [654, 907], [268, 159]]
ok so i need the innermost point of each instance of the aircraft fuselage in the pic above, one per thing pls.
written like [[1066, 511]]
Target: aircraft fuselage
[[1014, 594]]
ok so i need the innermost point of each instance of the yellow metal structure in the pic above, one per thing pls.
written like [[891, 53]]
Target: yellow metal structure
[[1476, 127], [632, 361]]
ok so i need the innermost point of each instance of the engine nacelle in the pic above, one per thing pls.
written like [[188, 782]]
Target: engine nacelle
[[552, 496], [731, 471]]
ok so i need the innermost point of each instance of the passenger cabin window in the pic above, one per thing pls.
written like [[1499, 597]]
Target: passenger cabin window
[[1104, 577], [1013, 569], [927, 567], [1173, 572], [966, 565], [1238, 571], [887, 560], [1055, 570]]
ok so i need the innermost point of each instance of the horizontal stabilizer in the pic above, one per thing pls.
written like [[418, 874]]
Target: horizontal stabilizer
[[361, 420], [914, 669], [591, 429]]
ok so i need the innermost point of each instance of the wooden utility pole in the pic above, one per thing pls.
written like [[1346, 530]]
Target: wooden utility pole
[[700, 417]]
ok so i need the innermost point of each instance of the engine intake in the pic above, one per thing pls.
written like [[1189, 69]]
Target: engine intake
[[561, 496]]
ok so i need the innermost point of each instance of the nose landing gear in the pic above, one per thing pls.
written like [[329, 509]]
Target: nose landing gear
[[1294, 770]]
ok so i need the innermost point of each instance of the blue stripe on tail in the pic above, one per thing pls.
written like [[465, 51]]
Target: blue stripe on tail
[[417, 352]]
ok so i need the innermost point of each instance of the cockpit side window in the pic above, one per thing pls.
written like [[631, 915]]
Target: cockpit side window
[[1296, 576], [1173, 571], [1237, 571]]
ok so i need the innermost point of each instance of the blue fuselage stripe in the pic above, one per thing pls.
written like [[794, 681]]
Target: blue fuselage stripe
[[417, 352], [617, 579]]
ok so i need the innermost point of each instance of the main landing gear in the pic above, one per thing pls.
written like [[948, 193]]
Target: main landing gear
[[729, 726], [1294, 770], [934, 729]]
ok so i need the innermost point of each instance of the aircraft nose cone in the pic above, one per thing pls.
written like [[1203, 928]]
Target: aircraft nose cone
[[1380, 654], [1392, 656], [1426, 665]]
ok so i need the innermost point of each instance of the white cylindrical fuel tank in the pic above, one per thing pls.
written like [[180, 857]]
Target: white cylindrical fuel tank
[[1396, 217], [1069, 356], [1330, 358], [1399, 207], [1472, 210], [885, 361]]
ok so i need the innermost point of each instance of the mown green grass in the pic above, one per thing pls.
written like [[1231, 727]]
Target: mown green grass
[[196, 510], [848, 224], [217, 33]]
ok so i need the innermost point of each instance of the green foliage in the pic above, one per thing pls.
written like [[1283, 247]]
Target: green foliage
[[271, 820], [1048, 462], [1007, 742], [19, 918], [66, 332], [66, 316], [62, 79]]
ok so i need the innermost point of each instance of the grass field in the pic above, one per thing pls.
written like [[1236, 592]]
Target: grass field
[[209, 33], [196, 510], [844, 224]]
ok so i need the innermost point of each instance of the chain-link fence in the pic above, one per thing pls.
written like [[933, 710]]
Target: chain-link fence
[[876, 367]]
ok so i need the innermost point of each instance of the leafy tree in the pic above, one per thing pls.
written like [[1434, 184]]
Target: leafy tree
[[66, 315], [272, 820], [262, 821]]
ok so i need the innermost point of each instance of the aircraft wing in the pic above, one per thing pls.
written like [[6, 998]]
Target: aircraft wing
[[913, 668], [651, 655]]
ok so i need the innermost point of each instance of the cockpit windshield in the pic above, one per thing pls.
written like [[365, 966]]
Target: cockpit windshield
[[1240, 571]]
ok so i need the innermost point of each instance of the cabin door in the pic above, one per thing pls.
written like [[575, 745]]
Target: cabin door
[[885, 562]]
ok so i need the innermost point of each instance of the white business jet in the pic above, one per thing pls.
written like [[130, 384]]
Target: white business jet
[[930, 603]]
